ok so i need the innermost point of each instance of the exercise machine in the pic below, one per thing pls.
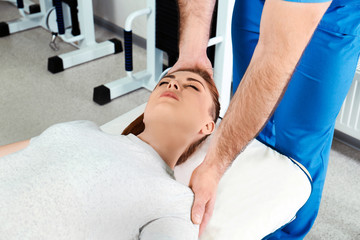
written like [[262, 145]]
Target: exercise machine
[[162, 36], [29, 7], [31, 17], [70, 20]]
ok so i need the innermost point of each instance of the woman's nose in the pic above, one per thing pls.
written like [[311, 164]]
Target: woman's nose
[[173, 84]]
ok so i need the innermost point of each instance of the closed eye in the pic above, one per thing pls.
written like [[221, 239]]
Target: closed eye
[[163, 83], [192, 86]]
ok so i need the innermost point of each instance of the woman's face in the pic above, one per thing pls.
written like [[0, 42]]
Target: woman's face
[[181, 98]]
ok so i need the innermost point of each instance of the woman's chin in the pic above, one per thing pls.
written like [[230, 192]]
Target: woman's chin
[[166, 107]]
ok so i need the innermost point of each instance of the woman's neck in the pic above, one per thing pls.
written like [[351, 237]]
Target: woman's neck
[[170, 145]]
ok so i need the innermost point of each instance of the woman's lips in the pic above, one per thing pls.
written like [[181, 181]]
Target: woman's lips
[[170, 94]]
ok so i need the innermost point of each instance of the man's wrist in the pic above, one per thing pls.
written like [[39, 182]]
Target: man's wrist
[[193, 49], [217, 168], [192, 61]]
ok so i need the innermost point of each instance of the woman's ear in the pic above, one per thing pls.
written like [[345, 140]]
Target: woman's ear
[[208, 128]]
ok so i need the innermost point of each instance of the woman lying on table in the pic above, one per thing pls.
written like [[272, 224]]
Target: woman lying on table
[[76, 182]]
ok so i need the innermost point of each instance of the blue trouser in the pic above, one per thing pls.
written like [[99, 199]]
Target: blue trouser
[[302, 126]]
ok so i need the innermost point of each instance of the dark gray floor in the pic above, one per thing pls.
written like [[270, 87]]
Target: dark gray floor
[[32, 99]]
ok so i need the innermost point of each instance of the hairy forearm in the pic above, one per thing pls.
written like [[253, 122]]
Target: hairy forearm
[[285, 30], [195, 21], [253, 103]]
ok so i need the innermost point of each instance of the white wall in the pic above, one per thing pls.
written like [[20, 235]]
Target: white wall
[[116, 12]]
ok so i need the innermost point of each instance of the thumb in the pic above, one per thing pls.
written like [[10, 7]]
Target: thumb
[[198, 209]]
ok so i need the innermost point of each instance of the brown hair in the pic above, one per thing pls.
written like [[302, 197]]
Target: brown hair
[[138, 126]]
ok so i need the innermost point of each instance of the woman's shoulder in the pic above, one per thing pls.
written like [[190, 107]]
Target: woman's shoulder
[[172, 204], [175, 194], [73, 125]]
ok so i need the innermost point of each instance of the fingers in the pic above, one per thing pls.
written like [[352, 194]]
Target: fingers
[[192, 62], [176, 67], [198, 209], [210, 72], [203, 207], [203, 182], [207, 215]]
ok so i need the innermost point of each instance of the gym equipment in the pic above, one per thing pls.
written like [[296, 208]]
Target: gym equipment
[[72, 21], [31, 13], [162, 32], [26, 6]]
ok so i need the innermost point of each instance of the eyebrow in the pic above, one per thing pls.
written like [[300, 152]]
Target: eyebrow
[[188, 79]]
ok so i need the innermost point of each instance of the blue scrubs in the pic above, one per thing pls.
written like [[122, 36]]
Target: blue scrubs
[[302, 126]]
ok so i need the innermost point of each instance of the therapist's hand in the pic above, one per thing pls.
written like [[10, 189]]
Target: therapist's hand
[[191, 61], [204, 182]]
